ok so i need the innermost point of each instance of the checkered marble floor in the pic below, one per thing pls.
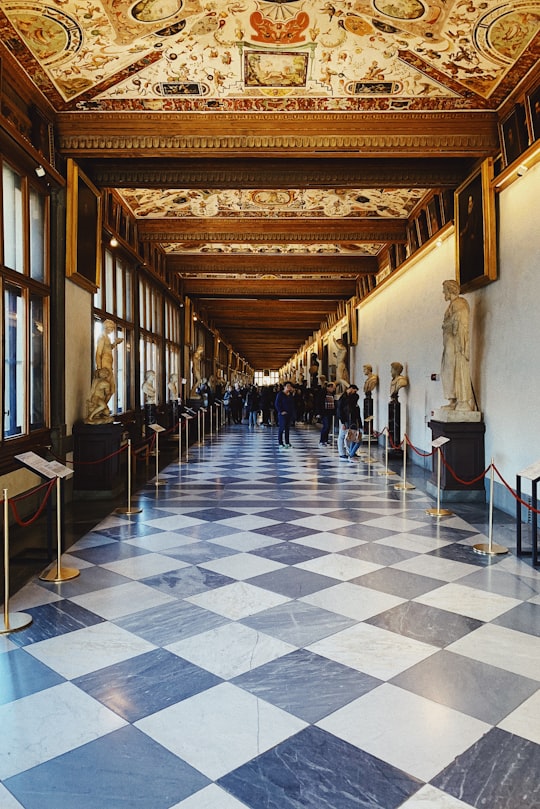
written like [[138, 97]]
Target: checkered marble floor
[[277, 630]]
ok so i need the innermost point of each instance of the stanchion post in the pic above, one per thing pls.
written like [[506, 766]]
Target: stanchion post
[[198, 426], [386, 471], [55, 572], [157, 428], [367, 458], [129, 509], [404, 486], [211, 407], [439, 512], [13, 620], [179, 440], [490, 548]]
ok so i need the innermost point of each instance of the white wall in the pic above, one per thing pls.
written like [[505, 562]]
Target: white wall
[[402, 322]]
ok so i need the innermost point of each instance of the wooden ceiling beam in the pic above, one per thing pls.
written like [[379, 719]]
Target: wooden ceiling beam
[[261, 264]]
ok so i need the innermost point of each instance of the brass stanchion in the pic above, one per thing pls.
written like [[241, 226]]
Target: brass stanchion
[[157, 428], [12, 620], [490, 548], [439, 512], [55, 572], [367, 458], [179, 441], [404, 487], [203, 410], [198, 426], [386, 471], [129, 509]]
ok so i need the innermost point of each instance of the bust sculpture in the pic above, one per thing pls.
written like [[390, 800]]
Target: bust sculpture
[[149, 387], [173, 387], [372, 380], [398, 381]]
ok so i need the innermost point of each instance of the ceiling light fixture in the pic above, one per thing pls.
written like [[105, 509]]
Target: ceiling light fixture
[[40, 171], [113, 242], [522, 169]]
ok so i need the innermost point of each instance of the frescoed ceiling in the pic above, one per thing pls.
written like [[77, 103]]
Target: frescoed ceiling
[[274, 139]]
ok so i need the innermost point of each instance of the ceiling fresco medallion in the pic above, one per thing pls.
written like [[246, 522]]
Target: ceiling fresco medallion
[[260, 55]]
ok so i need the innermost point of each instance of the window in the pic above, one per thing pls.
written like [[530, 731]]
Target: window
[[25, 304], [113, 302]]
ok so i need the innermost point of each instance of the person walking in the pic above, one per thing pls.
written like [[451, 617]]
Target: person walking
[[348, 413], [253, 405], [284, 405], [326, 409]]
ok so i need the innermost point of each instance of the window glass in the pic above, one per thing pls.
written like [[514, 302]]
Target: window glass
[[38, 243], [37, 363], [12, 219], [14, 352]]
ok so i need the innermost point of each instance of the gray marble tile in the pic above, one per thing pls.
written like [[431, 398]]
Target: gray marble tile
[[397, 582], [428, 624], [298, 623]]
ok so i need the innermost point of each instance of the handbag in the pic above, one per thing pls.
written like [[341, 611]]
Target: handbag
[[353, 436]]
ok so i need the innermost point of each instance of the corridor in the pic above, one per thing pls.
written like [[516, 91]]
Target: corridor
[[277, 630]]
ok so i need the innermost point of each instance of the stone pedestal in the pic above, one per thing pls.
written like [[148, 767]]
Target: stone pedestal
[[394, 425], [465, 455], [173, 413], [97, 460], [368, 411]]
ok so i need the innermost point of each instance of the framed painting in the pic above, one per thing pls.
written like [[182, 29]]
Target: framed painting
[[475, 229], [533, 112], [83, 242], [434, 216], [514, 137]]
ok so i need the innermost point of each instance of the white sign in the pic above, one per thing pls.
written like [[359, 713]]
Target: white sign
[[440, 442], [46, 469], [531, 472], [157, 428]]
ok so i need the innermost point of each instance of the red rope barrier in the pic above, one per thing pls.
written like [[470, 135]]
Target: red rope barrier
[[393, 446], [421, 454], [465, 482], [25, 523]]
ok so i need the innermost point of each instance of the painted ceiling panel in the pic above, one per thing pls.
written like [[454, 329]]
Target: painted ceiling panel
[[259, 55]]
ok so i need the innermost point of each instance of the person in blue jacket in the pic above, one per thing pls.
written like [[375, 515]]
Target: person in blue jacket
[[285, 410]]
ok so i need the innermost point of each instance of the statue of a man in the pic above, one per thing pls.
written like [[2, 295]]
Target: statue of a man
[[342, 372], [398, 381], [149, 387], [104, 352], [372, 380], [173, 387], [196, 358], [455, 372]]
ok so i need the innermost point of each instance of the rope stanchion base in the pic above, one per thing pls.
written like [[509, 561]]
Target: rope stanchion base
[[57, 574], [128, 511], [489, 549], [386, 472], [439, 512], [15, 621], [405, 487]]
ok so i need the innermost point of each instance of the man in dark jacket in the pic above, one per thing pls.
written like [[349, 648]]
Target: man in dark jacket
[[326, 403], [285, 412]]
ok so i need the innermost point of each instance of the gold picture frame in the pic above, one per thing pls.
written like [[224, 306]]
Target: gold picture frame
[[83, 239], [475, 229]]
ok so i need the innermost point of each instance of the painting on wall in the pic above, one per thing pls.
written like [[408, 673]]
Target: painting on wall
[[83, 253], [475, 229], [533, 110], [514, 135], [275, 69]]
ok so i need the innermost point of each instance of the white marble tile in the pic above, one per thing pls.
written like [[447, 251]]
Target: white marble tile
[[436, 568], [326, 541], [502, 647], [248, 522], [480, 604], [238, 600], [353, 601], [68, 560], [32, 595], [413, 542], [211, 797], [124, 599], [375, 651], [245, 541], [7, 801], [111, 521], [396, 523], [174, 522], [230, 650], [242, 566], [220, 729], [91, 541], [51, 722], [89, 649], [521, 567], [525, 720], [431, 798], [149, 564], [321, 523], [161, 542], [414, 734], [339, 567]]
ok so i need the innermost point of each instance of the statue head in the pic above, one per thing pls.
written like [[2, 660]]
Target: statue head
[[396, 368], [368, 369], [450, 288]]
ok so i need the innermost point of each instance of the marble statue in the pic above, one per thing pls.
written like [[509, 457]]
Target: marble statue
[[196, 359], [313, 369], [372, 380], [398, 381], [149, 387], [455, 372], [173, 387], [104, 352], [342, 372], [97, 405]]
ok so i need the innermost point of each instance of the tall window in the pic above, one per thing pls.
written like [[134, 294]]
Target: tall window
[[114, 301], [151, 325], [25, 299]]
